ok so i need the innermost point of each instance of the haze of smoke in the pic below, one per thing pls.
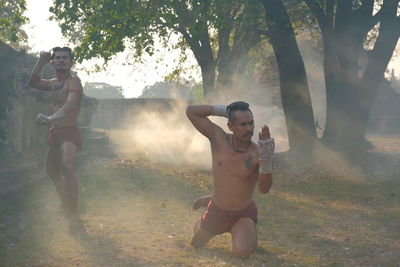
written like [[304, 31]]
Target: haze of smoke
[[171, 138], [164, 137]]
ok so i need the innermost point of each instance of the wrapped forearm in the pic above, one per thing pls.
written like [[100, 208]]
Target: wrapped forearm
[[57, 115], [219, 110], [42, 119], [266, 148]]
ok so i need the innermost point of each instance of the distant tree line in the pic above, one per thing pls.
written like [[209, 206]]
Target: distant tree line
[[102, 90]]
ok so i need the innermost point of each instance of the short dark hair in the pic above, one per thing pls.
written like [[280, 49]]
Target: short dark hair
[[65, 48], [235, 106]]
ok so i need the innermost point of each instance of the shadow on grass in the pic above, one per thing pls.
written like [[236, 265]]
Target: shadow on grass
[[102, 251]]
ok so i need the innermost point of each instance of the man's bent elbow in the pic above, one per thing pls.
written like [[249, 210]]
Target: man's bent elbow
[[189, 111]]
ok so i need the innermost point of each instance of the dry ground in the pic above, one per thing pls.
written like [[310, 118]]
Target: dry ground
[[137, 213]]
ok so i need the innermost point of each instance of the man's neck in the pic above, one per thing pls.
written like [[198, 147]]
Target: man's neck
[[62, 75], [240, 145]]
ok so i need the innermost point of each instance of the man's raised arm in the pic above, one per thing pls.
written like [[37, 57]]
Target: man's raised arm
[[266, 148], [198, 116], [36, 80]]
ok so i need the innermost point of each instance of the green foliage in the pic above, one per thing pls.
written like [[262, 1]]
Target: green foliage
[[217, 32], [102, 90], [11, 20], [102, 28]]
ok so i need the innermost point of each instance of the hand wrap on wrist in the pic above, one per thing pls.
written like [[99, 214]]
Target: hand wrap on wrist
[[266, 148], [57, 115], [42, 119], [219, 110]]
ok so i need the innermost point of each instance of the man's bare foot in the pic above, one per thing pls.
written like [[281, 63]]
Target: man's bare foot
[[76, 225]]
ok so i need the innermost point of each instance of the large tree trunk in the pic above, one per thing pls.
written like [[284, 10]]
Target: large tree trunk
[[295, 94], [342, 91], [203, 53], [208, 76], [379, 57], [349, 94]]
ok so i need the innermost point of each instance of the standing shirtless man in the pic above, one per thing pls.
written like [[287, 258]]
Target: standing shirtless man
[[64, 138], [237, 165]]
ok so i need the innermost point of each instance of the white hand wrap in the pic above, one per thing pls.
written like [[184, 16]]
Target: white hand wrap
[[219, 110], [42, 119], [57, 115], [266, 148]]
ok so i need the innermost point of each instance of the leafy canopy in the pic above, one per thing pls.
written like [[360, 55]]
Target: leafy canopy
[[11, 20]]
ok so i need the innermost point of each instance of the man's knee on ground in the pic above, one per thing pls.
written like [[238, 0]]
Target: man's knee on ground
[[197, 242], [243, 252], [200, 237]]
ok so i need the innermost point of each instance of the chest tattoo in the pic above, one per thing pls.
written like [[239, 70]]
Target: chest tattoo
[[248, 161]]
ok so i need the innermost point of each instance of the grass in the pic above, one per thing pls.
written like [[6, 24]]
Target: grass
[[138, 213]]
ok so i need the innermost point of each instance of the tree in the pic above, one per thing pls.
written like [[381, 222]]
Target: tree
[[296, 99], [219, 33], [11, 20], [350, 86]]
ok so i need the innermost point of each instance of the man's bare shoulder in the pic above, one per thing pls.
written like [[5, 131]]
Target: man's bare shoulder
[[75, 80], [75, 84]]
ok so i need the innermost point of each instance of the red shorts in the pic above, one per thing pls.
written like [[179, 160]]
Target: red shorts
[[217, 221], [57, 136]]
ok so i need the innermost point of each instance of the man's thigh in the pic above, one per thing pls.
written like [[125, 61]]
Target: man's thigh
[[68, 153], [244, 236], [53, 160]]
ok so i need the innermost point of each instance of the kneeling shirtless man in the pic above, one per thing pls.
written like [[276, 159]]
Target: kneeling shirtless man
[[237, 165]]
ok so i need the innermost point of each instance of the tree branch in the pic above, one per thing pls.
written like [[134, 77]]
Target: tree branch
[[318, 13], [343, 15]]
